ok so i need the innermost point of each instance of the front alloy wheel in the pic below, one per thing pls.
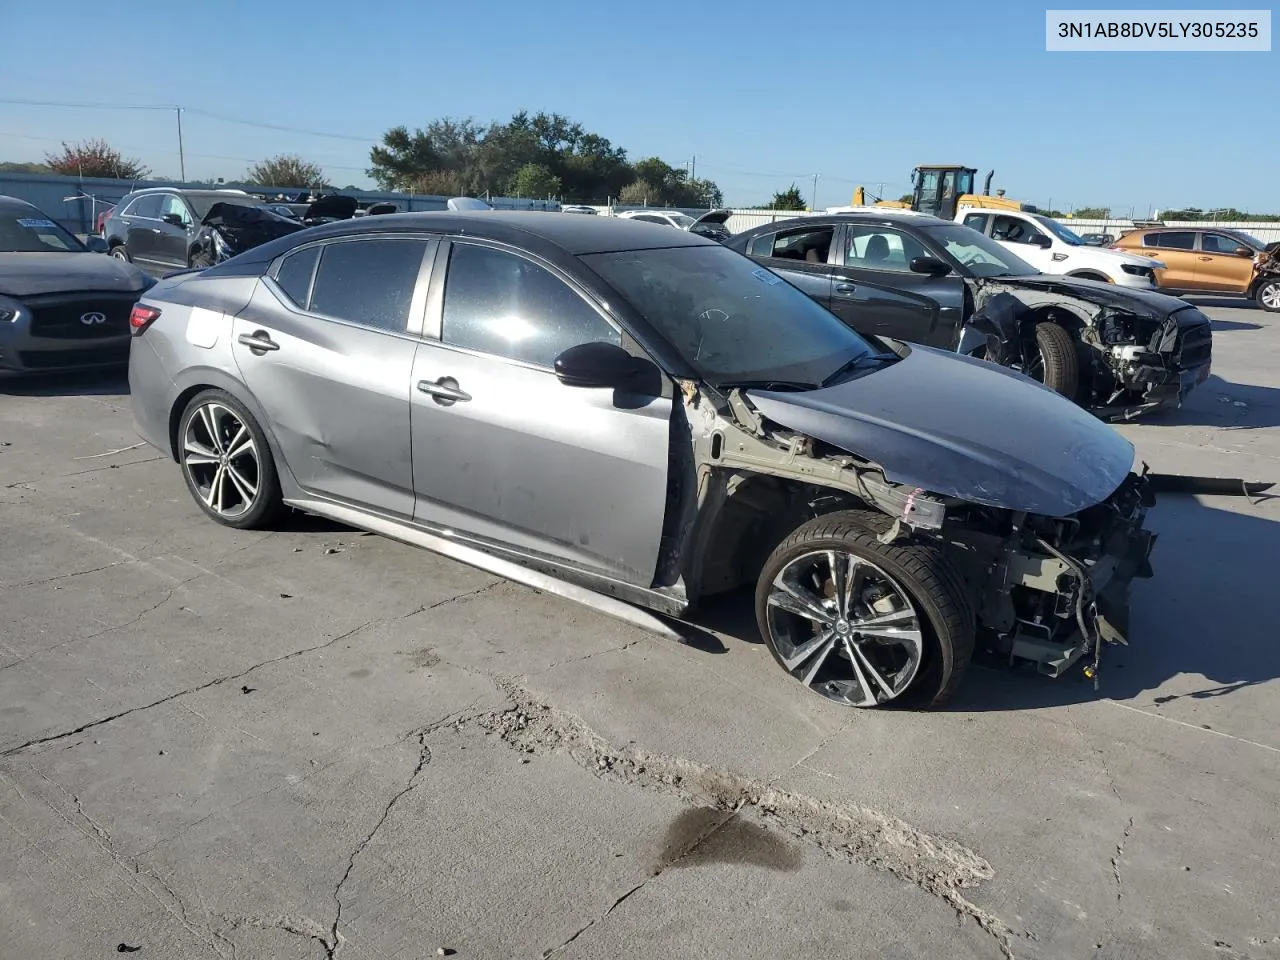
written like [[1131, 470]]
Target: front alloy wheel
[[1269, 295], [227, 462], [844, 628], [863, 623]]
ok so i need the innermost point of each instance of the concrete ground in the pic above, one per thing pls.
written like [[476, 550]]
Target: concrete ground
[[316, 743]]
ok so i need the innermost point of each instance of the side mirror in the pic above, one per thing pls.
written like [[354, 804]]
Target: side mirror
[[599, 364], [1244, 252], [174, 219], [96, 244], [930, 266], [1041, 241]]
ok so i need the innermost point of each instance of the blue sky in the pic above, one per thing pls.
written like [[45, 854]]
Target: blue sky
[[855, 92]]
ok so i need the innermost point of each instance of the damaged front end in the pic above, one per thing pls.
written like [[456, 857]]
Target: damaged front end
[[1137, 352], [1044, 588]]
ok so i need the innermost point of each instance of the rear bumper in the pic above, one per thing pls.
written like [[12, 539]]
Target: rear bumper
[[151, 395]]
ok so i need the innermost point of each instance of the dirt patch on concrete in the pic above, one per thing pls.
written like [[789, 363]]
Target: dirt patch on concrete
[[938, 865]]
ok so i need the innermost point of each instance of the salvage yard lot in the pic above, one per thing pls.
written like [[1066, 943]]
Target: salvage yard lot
[[314, 742]]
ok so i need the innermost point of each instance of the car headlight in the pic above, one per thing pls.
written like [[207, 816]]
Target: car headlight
[[1138, 271], [9, 310], [221, 249]]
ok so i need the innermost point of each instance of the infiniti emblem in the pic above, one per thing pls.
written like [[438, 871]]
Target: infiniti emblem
[[89, 319]]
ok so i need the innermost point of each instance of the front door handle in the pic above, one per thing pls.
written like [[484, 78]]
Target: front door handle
[[155, 230], [845, 288], [1206, 259], [258, 342], [444, 391]]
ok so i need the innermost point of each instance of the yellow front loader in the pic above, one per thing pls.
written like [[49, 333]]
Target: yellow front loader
[[942, 189]]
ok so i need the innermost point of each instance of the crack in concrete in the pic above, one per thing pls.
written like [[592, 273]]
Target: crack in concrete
[[335, 938], [599, 653], [1115, 861], [937, 865], [80, 473], [52, 738], [591, 923], [64, 576], [456, 598], [134, 872]]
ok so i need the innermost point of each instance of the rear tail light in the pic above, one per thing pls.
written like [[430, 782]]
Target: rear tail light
[[141, 317]]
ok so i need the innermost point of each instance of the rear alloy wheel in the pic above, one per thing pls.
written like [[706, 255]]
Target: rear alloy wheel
[[1055, 363], [227, 463], [120, 253], [1268, 295], [861, 623]]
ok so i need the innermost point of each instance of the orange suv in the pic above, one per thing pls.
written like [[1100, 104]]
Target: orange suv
[[1200, 260]]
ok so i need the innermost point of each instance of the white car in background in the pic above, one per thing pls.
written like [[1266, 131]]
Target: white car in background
[[1052, 248]]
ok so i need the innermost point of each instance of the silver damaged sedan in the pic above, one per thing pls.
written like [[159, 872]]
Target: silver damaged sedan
[[637, 417]]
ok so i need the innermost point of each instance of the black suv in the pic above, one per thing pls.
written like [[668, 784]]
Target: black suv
[[156, 228]]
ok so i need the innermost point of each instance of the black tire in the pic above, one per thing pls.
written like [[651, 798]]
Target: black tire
[[933, 585], [120, 252], [267, 504], [1058, 358], [1268, 295]]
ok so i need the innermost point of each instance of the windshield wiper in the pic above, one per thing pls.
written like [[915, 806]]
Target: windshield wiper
[[859, 362], [768, 385]]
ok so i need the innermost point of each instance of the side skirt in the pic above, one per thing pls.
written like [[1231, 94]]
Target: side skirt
[[580, 586]]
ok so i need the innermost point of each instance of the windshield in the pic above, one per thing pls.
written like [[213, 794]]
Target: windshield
[[1248, 239], [1061, 232], [202, 203], [33, 232], [976, 252], [731, 320]]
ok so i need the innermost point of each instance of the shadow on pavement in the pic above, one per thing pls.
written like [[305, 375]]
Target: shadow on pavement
[[1222, 326], [1207, 613], [108, 381], [1221, 403]]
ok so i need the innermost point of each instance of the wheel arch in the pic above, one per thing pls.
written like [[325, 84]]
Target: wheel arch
[[1089, 273], [198, 379]]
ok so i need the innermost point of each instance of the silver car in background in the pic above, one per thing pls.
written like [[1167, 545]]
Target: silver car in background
[[631, 415]]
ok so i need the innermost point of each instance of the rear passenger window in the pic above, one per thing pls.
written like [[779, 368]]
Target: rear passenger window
[[976, 221], [293, 276], [1174, 240], [369, 282], [145, 206], [502, 304]]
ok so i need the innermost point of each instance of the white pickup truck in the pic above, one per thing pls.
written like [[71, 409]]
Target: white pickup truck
[[1051, 248]]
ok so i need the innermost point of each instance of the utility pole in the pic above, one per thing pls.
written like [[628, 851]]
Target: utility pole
[[182, 157], [693, 168], [813, 200]]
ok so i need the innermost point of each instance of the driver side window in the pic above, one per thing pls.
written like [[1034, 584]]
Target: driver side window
[[873, 247], [1013, 229], [175, 204], [507, 306]]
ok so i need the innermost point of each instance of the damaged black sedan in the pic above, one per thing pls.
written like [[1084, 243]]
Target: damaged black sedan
[[1116, 351]]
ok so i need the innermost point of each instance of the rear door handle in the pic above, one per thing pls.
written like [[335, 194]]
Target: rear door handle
[[1206, 259], [444, 391], [845, 288], [258, 343], [155, 230]]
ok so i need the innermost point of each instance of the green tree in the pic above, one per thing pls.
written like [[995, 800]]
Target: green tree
[[789, 199], [1094, 213], [285, 170], [95, 158], [489, 159], [534, 180]]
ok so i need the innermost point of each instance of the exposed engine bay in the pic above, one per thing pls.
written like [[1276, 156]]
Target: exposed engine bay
[[1134, 354], [1045, 589]]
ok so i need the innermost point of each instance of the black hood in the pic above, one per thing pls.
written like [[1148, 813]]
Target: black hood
[[1147, 303], [965, 428], [36, 274]]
